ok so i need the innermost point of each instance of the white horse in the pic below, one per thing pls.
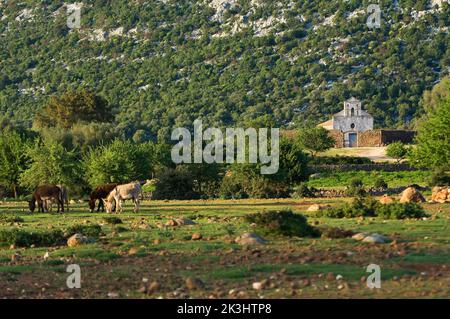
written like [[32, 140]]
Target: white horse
[[120, 194]]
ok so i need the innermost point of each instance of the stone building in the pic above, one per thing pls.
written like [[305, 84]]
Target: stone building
[[350, 121], [353, 127]]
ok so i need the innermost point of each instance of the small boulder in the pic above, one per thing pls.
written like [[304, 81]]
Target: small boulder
[[250, 239], [194, 283], [386, 199], [360, 236], [440, 194], [411, 195], [154, 287], [179, 222], [317, 207], [133, 251], [258, 285], [196, 236], [376, 239], [77, 240]]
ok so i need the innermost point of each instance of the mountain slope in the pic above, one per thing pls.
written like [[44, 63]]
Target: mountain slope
[[164, 63]]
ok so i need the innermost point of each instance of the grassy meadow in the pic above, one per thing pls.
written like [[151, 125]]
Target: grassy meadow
[[141, 249]]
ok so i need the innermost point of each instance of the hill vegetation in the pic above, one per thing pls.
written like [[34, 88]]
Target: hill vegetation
[[161, 64]]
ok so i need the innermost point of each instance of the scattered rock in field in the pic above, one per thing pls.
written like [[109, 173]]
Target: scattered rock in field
[[440, 194], [317, 207], [339, 277], [154, 287], [411, 195], [196, 236], [376, 239], [77, 240], [133, 251], [386, 199], [258, 285], [194, 283], [179, 222], [360, 236], [250, 239], [330, 276]]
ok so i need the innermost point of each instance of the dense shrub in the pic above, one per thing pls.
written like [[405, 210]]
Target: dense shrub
[[283, 222], [400, 211], [112, 220], [303, 190], [22, 238], [440, 177], [4, 218], [380, 183], [261, 187], [373, 208], [335, 232], [358, 208], [244, 181], [355, 187], [86, 230], [175, 184]]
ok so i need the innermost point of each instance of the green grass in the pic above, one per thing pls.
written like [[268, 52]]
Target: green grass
[[216, 258], [393, 179]]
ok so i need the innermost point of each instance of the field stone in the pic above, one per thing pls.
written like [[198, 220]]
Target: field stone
[[154, 287], [258, 285], [196, 236], [360, 236], [194, 283], [411, 195], [376, 239], [317, 207], [386, 199], [133, 251], [250, 239], [77, 240]]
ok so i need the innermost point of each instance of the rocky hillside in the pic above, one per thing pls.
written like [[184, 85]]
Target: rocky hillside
[[164, 63]]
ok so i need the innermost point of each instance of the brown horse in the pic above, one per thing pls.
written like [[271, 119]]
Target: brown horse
[[44, 193], [100, 193]]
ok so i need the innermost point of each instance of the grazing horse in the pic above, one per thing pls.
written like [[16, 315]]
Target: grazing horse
[[43, 194], [100, 193], [121, 193]]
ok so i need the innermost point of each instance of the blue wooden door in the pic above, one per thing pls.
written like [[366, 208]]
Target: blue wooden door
[[352, 139]]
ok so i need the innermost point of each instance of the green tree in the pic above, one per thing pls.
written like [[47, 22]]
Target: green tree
[[51, 163], [13, 159], [71, 108], [315, 140], [433, 140], [397, 150], [123, 161]]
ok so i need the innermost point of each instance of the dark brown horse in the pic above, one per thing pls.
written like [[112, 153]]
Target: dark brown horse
[[44, 193], [100, 193]]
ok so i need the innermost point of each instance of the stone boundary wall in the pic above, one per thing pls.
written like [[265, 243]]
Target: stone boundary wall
[[330, 193], [387, 167]]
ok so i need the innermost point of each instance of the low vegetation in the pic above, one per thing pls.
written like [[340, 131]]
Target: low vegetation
[[23, 238], [370, 207], [284, 222]]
